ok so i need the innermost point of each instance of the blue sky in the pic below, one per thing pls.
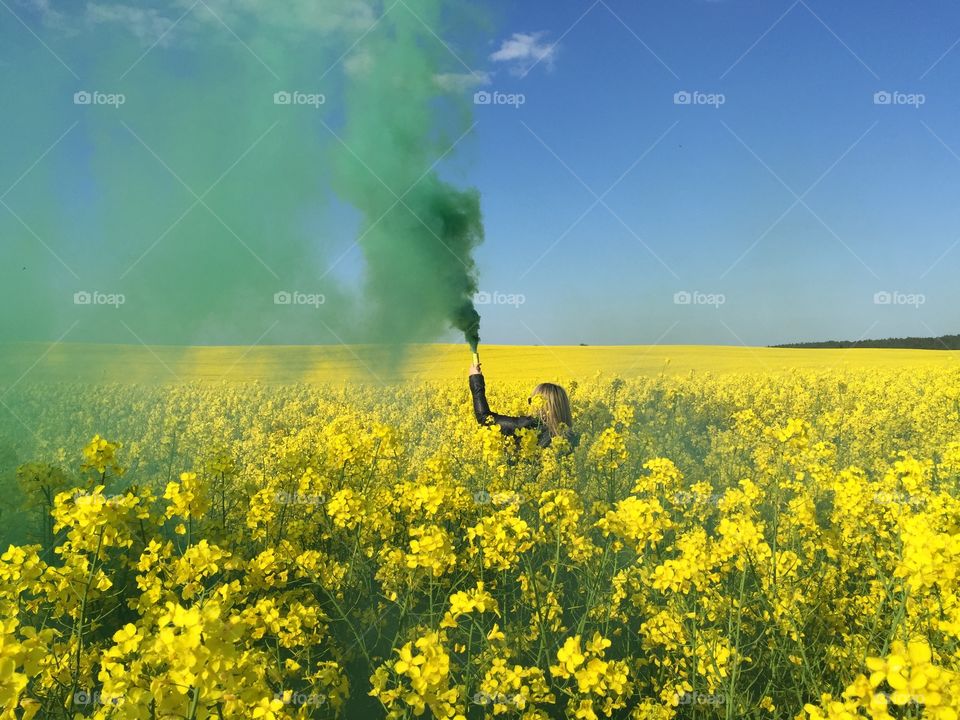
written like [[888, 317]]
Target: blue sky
[[799, 82], [787, 201]]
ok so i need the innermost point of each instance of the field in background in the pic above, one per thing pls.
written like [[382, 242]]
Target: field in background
[[76, 362], [739, 533]]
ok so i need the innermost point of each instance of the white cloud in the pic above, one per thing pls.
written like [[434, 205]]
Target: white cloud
[[323, 17], [50, 16], [460, 82], [148, 25], [524, 50], [358, 63]]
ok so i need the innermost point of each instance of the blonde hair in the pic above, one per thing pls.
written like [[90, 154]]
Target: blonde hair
[[554, 412]]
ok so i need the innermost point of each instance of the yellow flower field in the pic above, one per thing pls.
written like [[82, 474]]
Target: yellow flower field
[[765, 543]]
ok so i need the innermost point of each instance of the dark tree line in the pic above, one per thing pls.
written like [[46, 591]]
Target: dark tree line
[[944, 342]]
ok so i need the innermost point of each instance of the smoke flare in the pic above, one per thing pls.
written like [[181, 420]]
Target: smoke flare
[[419, 232]]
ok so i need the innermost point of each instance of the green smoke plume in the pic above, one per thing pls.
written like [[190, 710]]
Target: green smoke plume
[[200, 197], [197, 199], [418, 231]]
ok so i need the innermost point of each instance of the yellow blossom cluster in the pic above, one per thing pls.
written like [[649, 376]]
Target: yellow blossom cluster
[[763, 546]]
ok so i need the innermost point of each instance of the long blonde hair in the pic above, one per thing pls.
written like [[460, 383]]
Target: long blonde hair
[[554, 411]]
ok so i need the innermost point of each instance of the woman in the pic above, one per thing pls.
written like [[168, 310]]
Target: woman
[[553, 414]]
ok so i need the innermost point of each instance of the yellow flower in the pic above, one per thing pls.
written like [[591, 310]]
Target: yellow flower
[[569, 657], [100, 455]]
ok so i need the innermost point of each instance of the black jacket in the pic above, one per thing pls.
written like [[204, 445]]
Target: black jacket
[[508, 423]]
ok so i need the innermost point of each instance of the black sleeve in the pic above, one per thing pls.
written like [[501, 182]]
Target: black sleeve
[[508, 423]]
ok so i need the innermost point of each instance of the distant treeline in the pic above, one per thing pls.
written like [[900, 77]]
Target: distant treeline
[[944, 342]]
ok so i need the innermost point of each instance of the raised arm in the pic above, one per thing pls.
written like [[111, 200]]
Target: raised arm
[[481, 409]]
